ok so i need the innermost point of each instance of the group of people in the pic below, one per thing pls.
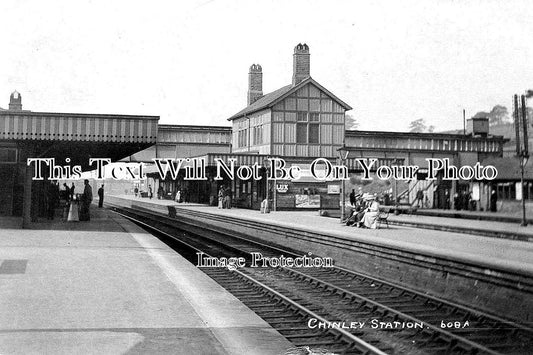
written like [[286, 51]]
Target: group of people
[[182, 195], [364, 211], [54, 195], [85, 200], [462, 200], [224, 197], [138, 193], [75, 212], [161, 193]]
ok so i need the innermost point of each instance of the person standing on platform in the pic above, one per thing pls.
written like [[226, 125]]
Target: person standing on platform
[[86, 199], [493, 200], [73, 215], [53, 199], [221, 197], [447, 199], [72, 192], [420, 198], [101, 196], [67, 192], [227, 198], [352, 198]]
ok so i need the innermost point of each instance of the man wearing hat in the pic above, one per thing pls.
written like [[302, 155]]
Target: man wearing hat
[[356, 220], [86, 199]]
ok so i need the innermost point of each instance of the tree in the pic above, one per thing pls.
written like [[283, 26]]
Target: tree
[[418, 126], [350, 122], [497, 116]]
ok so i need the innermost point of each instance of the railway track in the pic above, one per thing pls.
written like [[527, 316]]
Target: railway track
[[341, 310]]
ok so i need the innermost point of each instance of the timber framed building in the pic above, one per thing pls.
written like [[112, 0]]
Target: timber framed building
[[303, 121]]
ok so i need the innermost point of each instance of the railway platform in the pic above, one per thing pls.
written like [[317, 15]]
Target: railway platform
[[508, 217], [477, 271], [499, 227], [497, 253], [108, 287]]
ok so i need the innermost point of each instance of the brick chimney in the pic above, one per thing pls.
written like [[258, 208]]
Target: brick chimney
[[301, 64], [15, 101], [255, 83]]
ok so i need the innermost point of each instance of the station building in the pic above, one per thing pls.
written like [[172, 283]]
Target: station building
[[298, 123], [69, 138], [303, 121], [402, 148]]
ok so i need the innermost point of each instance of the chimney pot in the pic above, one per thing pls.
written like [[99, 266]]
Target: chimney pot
[[301, 63], [255, 83], [15, 101]]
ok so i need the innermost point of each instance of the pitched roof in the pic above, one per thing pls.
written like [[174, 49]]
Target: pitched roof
[[265, 101], [274, 97], [509, 168]]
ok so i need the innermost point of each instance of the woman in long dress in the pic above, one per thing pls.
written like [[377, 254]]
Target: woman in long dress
[[221, 197], [73, 211], [371, 214]]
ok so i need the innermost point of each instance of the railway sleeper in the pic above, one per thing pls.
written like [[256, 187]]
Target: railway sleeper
[[303, 336], [286, 321]]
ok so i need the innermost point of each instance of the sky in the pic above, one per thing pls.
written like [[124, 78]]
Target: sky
[[187, 61]]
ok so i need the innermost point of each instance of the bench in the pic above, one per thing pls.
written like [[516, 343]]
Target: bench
[[399, 209], [172, 211], [383, 217]]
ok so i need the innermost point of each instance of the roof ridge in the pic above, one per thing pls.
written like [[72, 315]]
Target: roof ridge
[[273, 97]]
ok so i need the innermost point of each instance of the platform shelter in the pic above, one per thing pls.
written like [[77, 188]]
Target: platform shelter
[[69, 138]]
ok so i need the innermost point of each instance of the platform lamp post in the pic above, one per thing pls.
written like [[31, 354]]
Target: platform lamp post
[[343, 155], [523, 161], [522, 152], [396, 162], [266, 163]]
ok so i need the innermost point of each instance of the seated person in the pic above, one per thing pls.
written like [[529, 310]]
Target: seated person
[[359, 217], [356, 215], [349, 215], [371, 214]]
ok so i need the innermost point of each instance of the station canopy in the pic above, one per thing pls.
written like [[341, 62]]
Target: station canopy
[[77, 136]]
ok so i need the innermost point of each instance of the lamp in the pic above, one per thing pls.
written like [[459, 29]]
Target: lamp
[[343, 155], [524, 157]]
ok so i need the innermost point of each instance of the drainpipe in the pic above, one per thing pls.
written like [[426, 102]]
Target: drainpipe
[[249, 133]]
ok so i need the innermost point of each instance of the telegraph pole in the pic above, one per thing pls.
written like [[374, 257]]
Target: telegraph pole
[[522, 149]]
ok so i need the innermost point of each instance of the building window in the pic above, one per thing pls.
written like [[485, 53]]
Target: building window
[[242, 139], [506, 191], [313, 133], [258, 135], [8, 155], [307, 128], [301, 132]]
